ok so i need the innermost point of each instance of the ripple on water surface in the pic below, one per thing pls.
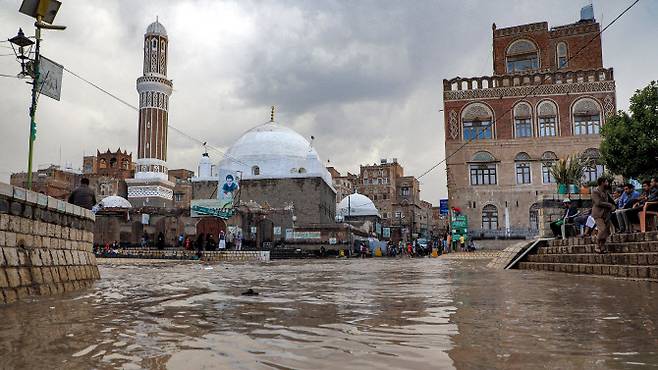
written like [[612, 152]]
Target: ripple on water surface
[[377, 313]]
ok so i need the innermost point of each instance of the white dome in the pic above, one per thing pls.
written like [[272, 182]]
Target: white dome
[[156, 28], [357, 205], [115, 201], [272, 151]]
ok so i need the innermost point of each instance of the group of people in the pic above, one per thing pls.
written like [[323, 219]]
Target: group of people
[[409, 249], [619, 209]]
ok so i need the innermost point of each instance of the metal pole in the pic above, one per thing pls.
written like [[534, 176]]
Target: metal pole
[[33, 107]]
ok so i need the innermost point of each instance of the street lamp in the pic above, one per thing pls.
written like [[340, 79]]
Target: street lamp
[[44, 11], [22, 47]]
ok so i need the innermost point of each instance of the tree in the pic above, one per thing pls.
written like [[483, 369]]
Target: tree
[[630, 141]]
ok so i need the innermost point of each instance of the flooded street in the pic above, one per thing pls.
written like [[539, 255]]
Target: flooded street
[[376, 313]]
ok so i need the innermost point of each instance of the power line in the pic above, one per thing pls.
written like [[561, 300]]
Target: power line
[[494, 121], [122, 101]]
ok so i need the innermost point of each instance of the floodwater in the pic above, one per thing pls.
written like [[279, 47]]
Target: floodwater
[[333, 314]]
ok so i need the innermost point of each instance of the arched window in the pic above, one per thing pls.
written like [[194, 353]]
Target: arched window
[[522, 55], [255, 170], [490, 217], [154, 44], [547, 117], [561, 51], [586, 115], [477, 122], [523, 120], [534, 217], [482, 169], [547, 161], [125, 164], [522, 162], [113, 162], [595, 168], [102, 163]]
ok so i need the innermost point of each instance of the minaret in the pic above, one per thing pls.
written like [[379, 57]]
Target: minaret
[[151, 186]]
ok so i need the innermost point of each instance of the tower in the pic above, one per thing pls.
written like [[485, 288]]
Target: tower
[[151, 186]]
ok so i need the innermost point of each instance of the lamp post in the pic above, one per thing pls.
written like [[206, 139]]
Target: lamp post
[[44, 12]]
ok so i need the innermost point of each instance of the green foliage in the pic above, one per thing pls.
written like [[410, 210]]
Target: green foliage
[[630, 141], [570, 170]]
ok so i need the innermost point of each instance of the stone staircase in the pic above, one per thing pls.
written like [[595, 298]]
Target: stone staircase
[[632, 256]]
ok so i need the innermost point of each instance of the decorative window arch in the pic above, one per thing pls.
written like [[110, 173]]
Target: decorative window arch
[[523, 120], [522, 165], [490, 217], [547, 118], [113, 162], [255, 170], [102, 163], [154, 44], [477, 122], [547, 161], [522, 55], [482, 169], [562, 51], [586, 115]]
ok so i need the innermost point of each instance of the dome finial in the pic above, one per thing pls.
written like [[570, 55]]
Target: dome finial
[[272, 114]]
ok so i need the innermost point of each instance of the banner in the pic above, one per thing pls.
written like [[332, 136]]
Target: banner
[[303, 235], [227, 188], [387, 232], [443, 207], [277, 230], [210, 207]]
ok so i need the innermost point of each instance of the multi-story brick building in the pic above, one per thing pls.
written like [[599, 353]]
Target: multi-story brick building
[[344, 185], [547, 98], [397, 197], [53, 180]]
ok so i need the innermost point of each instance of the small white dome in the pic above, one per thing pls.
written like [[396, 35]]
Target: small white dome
[[357, 205], [156, 28], [115, 201], [273, 151]]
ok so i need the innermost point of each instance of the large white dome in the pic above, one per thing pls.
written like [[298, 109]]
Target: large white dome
[[272, 151], [357, 205]]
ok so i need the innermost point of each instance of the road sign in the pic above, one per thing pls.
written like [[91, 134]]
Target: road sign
[[50, 78]]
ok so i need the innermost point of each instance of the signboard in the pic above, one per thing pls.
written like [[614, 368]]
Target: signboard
[[443, 207], [333, 241], [387, 232], [289, 233], [459, 222], [253, 229], [277, 230], [303, 235], [145, 218], [209, 207], [227, 188], [378, 228], [50, 78]]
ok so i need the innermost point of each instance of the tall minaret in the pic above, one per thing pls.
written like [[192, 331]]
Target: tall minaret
[[151, 186]]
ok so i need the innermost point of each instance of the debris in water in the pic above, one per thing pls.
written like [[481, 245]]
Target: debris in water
[[250, 292]]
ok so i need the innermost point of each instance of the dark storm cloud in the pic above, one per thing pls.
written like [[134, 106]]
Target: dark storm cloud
[[363, 77]]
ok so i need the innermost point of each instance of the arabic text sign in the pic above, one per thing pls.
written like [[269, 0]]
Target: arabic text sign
[[50, 78]]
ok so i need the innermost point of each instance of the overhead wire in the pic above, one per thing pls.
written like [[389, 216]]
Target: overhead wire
[[494, 121]]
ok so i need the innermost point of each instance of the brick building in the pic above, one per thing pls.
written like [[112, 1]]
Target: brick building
[[504, 131], [397, 197], [344, 185], [53, 180]]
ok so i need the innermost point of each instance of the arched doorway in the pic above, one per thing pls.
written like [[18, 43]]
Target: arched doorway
[[210, 225], [265, 233]]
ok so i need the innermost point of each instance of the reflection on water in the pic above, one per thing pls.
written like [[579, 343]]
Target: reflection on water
[[377, 313]]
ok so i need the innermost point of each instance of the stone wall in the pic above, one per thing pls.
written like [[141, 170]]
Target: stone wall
[[45, 245], [182, 254]]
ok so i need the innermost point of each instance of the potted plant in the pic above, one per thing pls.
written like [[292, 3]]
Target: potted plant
[[568, 173]]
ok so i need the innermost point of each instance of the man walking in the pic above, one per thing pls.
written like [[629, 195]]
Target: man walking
[[602, 207], [83, 196]]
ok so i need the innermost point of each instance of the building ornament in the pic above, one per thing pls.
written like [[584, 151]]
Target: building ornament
[[529, 90]]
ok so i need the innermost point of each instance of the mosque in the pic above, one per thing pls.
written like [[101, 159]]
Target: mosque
[[269, 188]]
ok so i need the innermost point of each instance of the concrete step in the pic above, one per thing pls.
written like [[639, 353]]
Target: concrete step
[[630, 259], [623, 271], [630, 247], [614, 238]]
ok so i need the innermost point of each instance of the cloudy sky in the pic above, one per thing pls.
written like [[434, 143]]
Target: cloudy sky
[[363, 77]]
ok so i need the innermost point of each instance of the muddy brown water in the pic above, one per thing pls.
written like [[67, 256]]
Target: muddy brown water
[[336, 314]]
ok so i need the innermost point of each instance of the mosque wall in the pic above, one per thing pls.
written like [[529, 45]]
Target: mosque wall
[[314, 201], [45, 245]]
